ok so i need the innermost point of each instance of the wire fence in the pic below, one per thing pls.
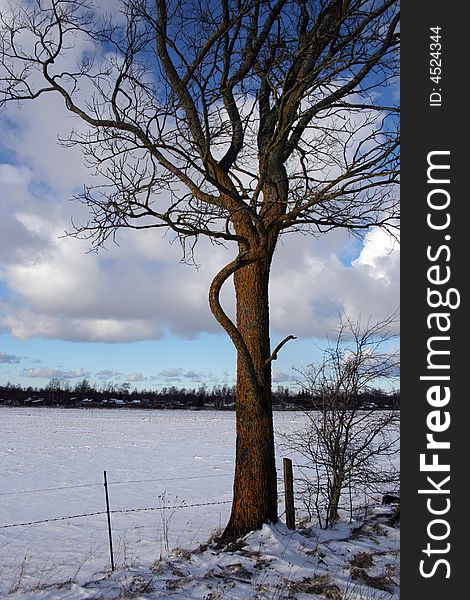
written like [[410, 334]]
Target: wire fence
[[128, 481], [166, 507], [134, 536], [111, 482], [121, 511]]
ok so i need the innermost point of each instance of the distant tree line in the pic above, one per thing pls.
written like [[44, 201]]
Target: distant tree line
[[220, 397]]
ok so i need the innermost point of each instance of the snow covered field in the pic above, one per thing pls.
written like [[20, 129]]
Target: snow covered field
[[52, 466]]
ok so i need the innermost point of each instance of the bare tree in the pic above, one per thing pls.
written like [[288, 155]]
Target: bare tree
[[349, 445], [239, 120], [54, 390]]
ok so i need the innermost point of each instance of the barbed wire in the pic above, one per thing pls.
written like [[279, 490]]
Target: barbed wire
[[51, 489], [169, 478], [117, 511], [294, 465], [129, 481], [82, 485]]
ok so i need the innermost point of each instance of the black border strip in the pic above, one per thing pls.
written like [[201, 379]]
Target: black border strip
[[434, 124]]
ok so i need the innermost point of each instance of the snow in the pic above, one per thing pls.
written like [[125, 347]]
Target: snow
[[273, 563], [53, 462]]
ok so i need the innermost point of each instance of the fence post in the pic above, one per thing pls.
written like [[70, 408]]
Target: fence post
[[110, 535], [289, 493]]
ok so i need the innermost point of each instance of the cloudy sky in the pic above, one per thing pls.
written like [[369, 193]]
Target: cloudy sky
[[134, 313]]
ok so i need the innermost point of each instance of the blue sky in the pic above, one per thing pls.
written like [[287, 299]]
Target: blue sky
[[133, 313], [208, 359]]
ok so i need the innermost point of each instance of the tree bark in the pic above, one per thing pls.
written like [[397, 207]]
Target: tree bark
[[255, 484], [335, 495]]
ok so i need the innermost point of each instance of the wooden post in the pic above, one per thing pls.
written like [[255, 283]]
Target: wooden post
[[289, 493], [109, 521]]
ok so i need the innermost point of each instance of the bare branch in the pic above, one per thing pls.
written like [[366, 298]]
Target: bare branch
[[278, 347]]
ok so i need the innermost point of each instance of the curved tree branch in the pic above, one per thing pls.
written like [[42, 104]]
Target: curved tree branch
[[243, 259], [278, 347]]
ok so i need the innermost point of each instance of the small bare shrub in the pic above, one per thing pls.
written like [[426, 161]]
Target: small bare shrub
[[349, 446], [363, 560]]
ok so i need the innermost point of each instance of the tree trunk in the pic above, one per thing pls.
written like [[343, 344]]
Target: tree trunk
[[335, 495], [255, 484]]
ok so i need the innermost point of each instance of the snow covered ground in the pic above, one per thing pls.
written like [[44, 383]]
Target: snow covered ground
[[52, 466]]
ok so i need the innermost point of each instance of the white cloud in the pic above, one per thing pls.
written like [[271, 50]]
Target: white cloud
[[48, 373], [134, 377], [380, 255], [171, 373], [310, 284], [60, 292], [13, 175], [106, 374], [26, 324], [281, 377], [9, 359], [137, 291], [33, 143]]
